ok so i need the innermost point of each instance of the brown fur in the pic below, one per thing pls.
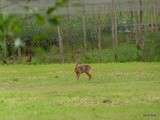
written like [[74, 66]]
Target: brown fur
[[79, 69]]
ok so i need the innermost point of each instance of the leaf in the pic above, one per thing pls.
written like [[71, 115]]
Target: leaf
[[60, 2], [50, 10], [15, 25], [40, 19], [54, 20]]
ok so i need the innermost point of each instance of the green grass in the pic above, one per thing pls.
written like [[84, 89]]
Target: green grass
[[122, 91]]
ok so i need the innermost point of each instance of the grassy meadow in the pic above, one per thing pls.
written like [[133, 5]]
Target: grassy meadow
[[117, 91]]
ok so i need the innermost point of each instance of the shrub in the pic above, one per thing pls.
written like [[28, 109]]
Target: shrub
[[125, 53], [41, 56]]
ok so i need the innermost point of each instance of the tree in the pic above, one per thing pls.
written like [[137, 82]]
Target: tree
[[99, 32], [84, 25], [140, 40], [114, 31], [9, 25], [54, 20], [60, 44]]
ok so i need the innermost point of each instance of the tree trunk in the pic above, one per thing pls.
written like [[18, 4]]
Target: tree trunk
[[114, 31], [84, 27], [99, 37], [60, 45], [152, 18], [141, 11], [68, 10], [140, 35], [99, 34], [5, 47], [19, 52], [155, 15]]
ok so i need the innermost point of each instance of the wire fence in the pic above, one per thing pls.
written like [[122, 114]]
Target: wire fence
[[84, 26]]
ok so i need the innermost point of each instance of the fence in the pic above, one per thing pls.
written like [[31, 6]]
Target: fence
[[90, 28]]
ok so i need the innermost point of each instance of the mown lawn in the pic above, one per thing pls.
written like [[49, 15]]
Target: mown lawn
[[122, 91]]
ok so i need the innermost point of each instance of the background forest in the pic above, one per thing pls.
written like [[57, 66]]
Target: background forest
[[91, 31]]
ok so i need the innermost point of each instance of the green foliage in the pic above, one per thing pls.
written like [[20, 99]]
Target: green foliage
[[96, 56], [40, 20], [58, 3], [126, 53], [54, 20], [50, 10], [42, 56], [152, 47], [10, 24], [42, 31]]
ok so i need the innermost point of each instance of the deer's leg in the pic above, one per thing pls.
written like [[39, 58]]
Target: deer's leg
[[78, 75], [89, 75]]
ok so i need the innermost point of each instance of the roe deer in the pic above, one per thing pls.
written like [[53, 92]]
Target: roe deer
[[79, 69]]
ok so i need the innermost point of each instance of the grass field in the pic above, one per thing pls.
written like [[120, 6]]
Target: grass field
[[122, 91]]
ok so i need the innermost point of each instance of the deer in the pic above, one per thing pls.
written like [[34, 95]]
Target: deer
[[80, 69]]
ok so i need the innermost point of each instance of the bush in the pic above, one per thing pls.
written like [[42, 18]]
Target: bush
[[126, 53], [41, 56], [152, 47]]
